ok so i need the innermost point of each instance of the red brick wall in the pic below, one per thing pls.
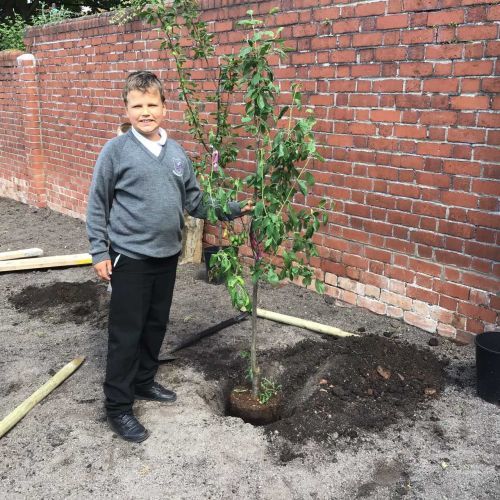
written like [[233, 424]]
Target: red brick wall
[[405, 92], [13, 171]]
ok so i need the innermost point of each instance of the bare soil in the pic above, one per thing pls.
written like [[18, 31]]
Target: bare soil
[[380, 415]]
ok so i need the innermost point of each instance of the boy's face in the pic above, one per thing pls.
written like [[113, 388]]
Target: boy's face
[[145, 112]]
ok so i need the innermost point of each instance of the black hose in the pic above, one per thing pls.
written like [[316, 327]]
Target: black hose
[[204, 333]]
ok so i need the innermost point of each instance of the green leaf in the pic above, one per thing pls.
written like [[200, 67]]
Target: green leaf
[[261, 103], [309, 178], [272, 277], [283, 111], [302, 187], [320, 286]]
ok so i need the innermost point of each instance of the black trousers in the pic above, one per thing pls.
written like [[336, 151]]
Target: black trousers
[[139, 310]]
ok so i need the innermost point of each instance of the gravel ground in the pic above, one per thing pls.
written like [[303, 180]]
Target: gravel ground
[[448, 448]]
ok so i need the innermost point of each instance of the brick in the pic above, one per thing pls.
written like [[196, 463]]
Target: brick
[[367, 40], [473, 136], [394, 312], [323, 43], [486, 187], [418, 5], [474, 311], [390, 54], [414, 69], [412, 101], [485, 220], [372, 305], [331, 279], [385, 115], [448, 303], [470, 68], [448, 85], [445, 17], [487, 120], [486, 154], [395, 300], [479, 32], [425, 267], [427, 324], [466, 102], [392, 22], [481, 250], [422, 308], [350, 285], [370, 9], [423, 294], [451, 289], [459, 199], [347, 26], [446, 330], [372, 291], [440, 314], [347, 296], [479, 298], [326, 14], [492, 48], [439, 117], [417, 36]]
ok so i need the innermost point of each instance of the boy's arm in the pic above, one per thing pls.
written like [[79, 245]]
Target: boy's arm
[[195, 205], [99, 205]]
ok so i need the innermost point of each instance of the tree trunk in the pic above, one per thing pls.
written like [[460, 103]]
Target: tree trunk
[[253, 348]]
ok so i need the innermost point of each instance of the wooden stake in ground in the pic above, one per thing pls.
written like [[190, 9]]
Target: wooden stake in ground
[[303, 323], [21, 254], [81, 259], [10, 420], [192, 236]]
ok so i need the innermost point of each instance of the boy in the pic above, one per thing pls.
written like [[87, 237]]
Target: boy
[[141, 185]]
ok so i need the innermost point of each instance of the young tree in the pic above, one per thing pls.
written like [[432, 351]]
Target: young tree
[[283, 146]]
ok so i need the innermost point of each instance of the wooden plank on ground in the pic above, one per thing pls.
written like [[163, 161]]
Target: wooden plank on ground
[[21, 254], [80, 259]]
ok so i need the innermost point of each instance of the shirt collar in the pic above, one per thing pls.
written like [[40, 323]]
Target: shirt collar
[[144, 140]]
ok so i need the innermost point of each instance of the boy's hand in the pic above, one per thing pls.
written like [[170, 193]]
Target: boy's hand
[[103, 270], [247, 208]]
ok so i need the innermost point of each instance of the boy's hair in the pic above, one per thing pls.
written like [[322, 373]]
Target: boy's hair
[[143, 81]]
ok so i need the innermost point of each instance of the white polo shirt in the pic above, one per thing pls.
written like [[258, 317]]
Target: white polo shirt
[[153, 146]]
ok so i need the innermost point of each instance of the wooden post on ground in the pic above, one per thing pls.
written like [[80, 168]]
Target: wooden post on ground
[[12, 418], [21, 254]]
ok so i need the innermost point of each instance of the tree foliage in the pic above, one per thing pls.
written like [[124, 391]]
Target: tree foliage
[[280, 231], [26, 9], [12, 29]]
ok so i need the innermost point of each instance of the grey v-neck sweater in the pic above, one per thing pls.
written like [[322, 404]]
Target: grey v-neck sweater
[[136, 200]]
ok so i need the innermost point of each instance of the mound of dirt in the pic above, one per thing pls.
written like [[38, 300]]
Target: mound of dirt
[[337, 388], [64, 302]]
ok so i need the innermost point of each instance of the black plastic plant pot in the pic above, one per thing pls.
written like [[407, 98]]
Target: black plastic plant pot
[[488, 366], [212, 276]]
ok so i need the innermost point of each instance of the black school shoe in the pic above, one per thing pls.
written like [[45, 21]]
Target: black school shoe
[[156, 393], [127, 427]]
